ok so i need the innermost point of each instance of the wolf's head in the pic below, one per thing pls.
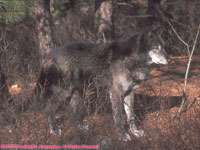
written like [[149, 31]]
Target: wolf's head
[[155, 51]]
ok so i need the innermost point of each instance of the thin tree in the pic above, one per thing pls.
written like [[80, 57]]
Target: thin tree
[[104, 22]]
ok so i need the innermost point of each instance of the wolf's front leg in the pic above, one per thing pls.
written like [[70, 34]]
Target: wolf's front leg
[[129, 109], [117, 107], [52, 125], [57, 98], [49, 112]]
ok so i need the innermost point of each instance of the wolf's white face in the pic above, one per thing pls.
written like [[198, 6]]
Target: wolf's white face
[[158, 55]]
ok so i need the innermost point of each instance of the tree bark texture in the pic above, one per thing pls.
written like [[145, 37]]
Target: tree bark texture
[[104, 20], [45, 36]]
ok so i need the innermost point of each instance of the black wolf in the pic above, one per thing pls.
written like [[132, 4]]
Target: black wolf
[[120, 66]]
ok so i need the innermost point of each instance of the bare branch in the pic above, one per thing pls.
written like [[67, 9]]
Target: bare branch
[[179, 37], [177, 34], [190, 59], [163, 16], [187, 70]]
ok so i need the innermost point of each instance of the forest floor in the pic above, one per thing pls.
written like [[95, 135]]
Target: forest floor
[[156, 106]]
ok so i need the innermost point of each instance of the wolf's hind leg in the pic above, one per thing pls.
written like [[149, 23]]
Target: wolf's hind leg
[[129, 109], [75, 101], [74, 111]]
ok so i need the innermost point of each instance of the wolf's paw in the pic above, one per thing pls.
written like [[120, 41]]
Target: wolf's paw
[[55, 131], [137, 132], [124, 137]]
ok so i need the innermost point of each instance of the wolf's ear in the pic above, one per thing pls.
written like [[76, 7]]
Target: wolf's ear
[[157, 30], [149, 34], [153, 32]]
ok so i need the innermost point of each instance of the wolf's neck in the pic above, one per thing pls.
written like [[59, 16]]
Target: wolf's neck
[[136, 60]]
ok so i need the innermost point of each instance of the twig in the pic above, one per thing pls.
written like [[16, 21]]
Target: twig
[[187, 71], [190, 105], [140, 16], [125, 4], [163, 16], [179, 37]]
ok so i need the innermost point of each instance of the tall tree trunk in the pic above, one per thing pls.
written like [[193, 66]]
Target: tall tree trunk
[[51, 5], [45, 35], [104, 22]]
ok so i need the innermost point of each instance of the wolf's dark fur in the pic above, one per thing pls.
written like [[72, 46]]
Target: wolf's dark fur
[[120, 66]]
